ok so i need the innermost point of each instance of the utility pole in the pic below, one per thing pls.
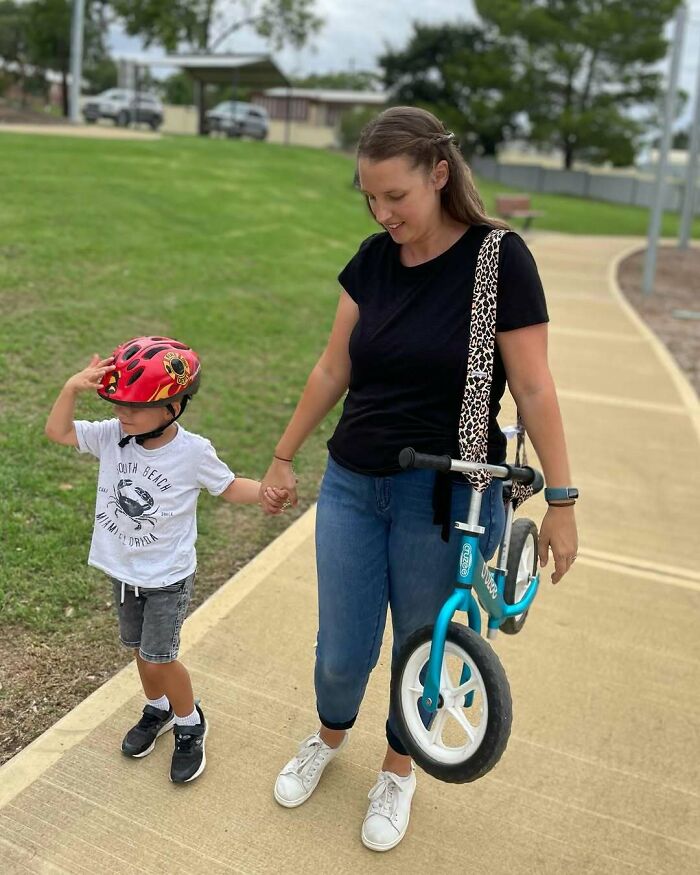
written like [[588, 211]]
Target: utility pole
[[657, 206], [691, 171], [76, 59]]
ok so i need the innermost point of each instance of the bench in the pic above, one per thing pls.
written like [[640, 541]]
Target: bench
[[516, 206]]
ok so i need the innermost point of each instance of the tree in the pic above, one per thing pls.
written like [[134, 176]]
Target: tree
[[204, 25], [351, 124], [585, 64], [13, 39], [178, 90], [350, 80], [681, 140], [460, 72], [48, 34]]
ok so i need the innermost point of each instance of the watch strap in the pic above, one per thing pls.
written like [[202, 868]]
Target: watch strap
[[560, 493]]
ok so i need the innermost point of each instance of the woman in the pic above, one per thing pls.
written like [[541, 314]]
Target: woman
[[398, 347]]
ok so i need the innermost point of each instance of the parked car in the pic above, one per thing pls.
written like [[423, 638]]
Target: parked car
[[123, 107], [238, 119]]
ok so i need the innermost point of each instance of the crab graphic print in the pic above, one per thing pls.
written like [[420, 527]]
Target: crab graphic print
[[145, 523], [130, 507]]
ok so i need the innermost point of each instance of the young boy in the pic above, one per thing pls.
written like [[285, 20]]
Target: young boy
[[150, 475]]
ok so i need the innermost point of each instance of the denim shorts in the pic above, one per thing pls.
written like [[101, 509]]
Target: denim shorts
[[151, 619]]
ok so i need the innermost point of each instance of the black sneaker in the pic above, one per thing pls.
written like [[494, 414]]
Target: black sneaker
[[189, 759], [140, 740]]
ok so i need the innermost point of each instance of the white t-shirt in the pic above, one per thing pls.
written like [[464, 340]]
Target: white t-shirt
[[146, 509]]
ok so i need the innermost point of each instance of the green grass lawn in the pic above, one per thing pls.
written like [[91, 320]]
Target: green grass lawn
[[232, 246]]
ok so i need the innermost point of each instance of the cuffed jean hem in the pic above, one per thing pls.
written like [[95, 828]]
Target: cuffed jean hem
[[395, 742], [157, 658], [347, 724], [131, 645]]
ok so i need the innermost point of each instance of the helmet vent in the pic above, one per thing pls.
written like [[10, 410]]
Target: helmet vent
[[131, 352], [151, 352], [134, 377], [132, 364]]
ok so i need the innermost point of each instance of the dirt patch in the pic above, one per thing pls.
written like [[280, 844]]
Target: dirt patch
[[16, 120], [42, 678], [15, 115], [673, 310]]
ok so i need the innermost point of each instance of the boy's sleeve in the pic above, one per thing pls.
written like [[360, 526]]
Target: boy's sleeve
[[213, 475], [93, 436]]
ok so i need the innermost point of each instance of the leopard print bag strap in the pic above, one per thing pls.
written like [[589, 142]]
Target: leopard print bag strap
[[474, 415], [518, 491]]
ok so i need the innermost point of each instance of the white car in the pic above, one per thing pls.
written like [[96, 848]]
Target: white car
[[123, 107], [237, 119]]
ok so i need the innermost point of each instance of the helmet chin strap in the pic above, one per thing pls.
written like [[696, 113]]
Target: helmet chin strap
[[147, 435]]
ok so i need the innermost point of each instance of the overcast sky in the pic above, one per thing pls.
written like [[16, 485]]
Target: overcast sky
[[356, 32]]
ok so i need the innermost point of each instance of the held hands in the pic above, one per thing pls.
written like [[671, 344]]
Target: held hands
[[89, 378], [558, 532], [278, 489]]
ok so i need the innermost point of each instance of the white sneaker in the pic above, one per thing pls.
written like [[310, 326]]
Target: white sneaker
[[389, 811], [298, 779]]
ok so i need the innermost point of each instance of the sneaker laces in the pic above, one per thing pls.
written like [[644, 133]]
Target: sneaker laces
[[183, 741], [309, 749], [384, 795]]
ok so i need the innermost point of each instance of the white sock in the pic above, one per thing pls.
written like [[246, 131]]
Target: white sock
[[162, 703], [191, 719]]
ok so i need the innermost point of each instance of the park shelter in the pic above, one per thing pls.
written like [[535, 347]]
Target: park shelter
[[250, 71]]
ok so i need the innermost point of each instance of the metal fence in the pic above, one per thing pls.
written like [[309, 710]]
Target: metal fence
[[615, 188]]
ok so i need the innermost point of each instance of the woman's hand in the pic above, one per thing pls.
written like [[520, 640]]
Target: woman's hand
[[279, 482], [558, 532]]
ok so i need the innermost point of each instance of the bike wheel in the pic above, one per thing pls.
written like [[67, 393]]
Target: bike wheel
[[522, 564], [459, 742]]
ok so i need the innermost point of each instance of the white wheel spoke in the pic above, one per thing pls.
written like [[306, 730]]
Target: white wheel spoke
[[467, 687], [435, 734], [445, 679], [460, 717]]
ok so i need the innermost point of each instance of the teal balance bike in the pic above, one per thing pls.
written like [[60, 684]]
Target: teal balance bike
[[449, 689]]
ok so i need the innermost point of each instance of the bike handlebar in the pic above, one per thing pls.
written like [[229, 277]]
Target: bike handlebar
[[409, 458]]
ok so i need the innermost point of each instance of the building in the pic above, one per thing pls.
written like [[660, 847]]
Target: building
[[316, 107]]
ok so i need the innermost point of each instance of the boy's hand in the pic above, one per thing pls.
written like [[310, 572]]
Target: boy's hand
[[281, 479], [274, 500], [89, 378]]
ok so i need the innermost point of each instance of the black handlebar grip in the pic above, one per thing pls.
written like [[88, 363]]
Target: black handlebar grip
[[409, 458], [538, 482], [527, 476]]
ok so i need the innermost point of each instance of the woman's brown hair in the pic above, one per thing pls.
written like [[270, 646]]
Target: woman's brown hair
[[422, 138]]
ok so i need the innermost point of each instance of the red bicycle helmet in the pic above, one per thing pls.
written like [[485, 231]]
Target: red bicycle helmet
[[151, 372]]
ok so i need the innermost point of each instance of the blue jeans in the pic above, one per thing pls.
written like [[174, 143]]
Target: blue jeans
[[377, 546]]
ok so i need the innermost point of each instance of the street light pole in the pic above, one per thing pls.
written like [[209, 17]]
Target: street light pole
[[664, 146], [691, 171], [76, 59]]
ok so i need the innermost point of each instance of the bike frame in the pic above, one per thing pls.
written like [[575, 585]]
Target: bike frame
[[474, 574]]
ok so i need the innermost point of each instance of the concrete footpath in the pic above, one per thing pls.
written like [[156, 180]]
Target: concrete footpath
[[602, 771]]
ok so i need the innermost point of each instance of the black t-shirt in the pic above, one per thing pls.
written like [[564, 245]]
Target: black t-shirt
[[409, 347]]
